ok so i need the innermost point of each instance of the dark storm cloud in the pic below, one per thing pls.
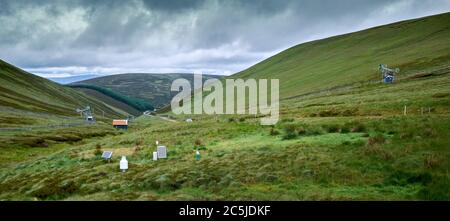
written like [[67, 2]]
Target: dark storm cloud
[[69, 37]]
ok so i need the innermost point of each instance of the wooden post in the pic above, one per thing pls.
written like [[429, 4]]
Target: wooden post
[[429, 110], [404, 111]]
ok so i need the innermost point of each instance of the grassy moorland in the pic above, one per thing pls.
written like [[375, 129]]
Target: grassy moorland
[[342, 60], [345, 139], [322, 151]]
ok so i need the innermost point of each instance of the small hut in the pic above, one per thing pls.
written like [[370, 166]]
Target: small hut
[[120, 124]]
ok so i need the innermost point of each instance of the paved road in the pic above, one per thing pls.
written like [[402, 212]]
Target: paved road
[[163, 118]]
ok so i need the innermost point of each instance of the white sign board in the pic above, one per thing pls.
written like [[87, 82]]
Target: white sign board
[[155, 156], [162, 151]]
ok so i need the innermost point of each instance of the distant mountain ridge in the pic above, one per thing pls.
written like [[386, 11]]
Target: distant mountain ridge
[[154, 88], [71, 79]]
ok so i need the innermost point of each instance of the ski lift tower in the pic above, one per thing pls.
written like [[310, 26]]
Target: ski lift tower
[[130, 118], [388, 74], [86, 114]]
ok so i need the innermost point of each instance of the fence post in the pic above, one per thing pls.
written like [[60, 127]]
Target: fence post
[[404, 111]]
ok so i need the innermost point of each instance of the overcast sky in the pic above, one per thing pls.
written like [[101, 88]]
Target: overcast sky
[[75, 37]]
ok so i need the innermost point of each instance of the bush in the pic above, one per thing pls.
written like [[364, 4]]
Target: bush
[[290, 131], [374, 147], [98, 150], [286, 120], [355, 127], [329, 113], [198, 142], [359, 128], [332, 128], [377, 139], [403, 178], [274, 132], [436, 189], [31, 141], [314, 130], [54, 189], [345, 130], [431, 161]]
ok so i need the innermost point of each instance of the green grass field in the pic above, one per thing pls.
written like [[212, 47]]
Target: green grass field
[[342, 134]]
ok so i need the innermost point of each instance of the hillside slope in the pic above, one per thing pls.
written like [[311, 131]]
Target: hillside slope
[[323, 64], [154, 88], [111, 101], [23, 91]]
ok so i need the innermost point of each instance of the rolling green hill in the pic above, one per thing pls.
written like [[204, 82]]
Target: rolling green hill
[[154, 88], [137, 103], [411, 45], [109, 100], [26, 92]]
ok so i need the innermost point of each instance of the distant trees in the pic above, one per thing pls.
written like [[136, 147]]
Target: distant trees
[[139, 104]]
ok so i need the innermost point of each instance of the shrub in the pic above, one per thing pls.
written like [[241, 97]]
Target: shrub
[[431, 161], [358, 128], [429, 132], [374, 147], [31, 141], [332, 128], [198, 142], [274, 132], [139, 142], [314, 130], [290, 132], [349, 113], [286, 120], [377, 139], [54, 189], [98, 150], [403, 178], [328, 113], [345, 130], [436, 189]]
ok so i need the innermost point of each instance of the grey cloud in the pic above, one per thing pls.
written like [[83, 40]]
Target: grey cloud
[[71, 37], [173, 5]]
